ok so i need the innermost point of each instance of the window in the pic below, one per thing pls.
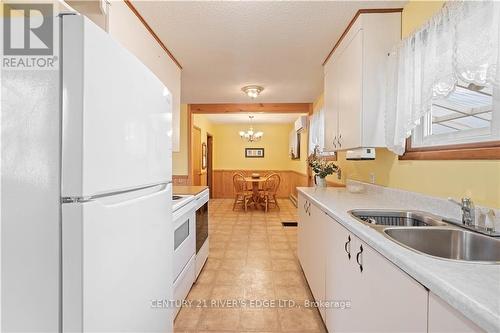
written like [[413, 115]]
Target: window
[[429, 94], [464, 125], [317, 130], [465, 116]]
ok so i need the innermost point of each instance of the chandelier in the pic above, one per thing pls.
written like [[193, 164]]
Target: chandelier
[[251, 135]]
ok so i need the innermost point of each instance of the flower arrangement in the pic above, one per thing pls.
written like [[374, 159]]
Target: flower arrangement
[[321, 166]]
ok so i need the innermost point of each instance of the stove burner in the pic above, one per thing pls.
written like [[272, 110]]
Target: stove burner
[[176, 197]]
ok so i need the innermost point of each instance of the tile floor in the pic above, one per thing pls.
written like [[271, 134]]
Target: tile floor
[[252, 258]]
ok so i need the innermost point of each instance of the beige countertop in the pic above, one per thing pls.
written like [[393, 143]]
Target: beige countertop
[[189, 190], [472, 289]]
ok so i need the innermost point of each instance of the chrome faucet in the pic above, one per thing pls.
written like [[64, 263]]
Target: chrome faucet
[[468, 210]]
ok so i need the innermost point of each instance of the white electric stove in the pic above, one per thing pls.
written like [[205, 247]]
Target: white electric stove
[[179, 201], [184, 227]]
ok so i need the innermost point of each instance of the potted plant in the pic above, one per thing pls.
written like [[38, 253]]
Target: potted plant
[[321, 168]]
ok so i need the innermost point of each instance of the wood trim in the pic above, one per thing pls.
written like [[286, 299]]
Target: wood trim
[[311, 109], [223, 182], [190, 139], [151, 31], [359, 12], [210, 163], [290, 180], [252, 107], [195, 129], [244, 108], [472, 151], [179, 180]]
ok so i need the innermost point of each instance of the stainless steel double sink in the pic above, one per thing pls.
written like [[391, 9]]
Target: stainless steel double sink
[[430, 235]]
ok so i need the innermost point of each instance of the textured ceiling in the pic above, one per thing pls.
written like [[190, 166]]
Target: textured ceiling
[[259, 118], [224, 46]]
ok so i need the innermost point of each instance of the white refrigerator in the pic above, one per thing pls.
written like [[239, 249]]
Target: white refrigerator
[[97, 222]]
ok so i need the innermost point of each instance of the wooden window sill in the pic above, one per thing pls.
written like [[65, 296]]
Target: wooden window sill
[[476, 151]]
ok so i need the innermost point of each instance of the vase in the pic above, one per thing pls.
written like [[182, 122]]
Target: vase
[[320, 181]]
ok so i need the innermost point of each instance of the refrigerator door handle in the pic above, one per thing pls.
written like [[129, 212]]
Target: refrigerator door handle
[[120, 196]]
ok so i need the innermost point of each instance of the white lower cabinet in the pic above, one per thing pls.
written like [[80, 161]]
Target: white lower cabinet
[[312, 246], [382, 297], [443, 318], [364, 291]]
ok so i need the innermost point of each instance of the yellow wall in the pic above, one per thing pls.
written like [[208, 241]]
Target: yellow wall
[[226, 139], [204, 125], [415, 13], [477, 179], [180, 159], [229, 149]]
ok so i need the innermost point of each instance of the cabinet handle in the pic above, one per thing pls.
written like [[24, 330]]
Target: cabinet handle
[[338, 140], [357, 258], [309, 209], [334, 144], [305, 204], [348, 243]]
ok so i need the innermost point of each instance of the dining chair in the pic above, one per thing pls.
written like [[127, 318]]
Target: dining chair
[[270, 190], [265, 175], [242, 194]]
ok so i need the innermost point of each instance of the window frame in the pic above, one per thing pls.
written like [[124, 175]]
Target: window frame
[[489, 150]]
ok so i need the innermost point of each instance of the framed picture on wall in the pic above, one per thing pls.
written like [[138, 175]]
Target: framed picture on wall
[[254, 152], [203, 155]]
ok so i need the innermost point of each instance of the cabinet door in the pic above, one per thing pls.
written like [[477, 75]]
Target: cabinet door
[[331, 105], [350, 67], [311, 247], [303, 232], [377, 290], [341, 278], [385, 289], [443, 318], [316, 274]]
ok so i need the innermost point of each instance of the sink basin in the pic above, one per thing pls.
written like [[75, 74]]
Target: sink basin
[[397, 218], [452, 244]]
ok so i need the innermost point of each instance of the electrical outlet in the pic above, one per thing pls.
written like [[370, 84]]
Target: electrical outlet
[[372, 177]]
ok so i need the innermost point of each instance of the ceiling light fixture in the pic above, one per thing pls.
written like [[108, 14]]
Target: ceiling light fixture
[[251, 135], [252, 91]]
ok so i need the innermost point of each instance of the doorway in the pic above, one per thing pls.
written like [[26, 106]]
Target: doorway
[[210, 147], [196, 161]]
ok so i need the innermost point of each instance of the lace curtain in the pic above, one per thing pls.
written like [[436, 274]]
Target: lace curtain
[[461, 42], [316, 130]]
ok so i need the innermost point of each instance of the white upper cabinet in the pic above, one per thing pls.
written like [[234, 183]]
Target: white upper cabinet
[[354, 82]]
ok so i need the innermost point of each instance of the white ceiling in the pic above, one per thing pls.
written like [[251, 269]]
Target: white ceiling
[[259, 118], [225, 45]]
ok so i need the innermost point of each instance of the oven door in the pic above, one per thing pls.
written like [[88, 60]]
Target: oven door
[[184, 238], [201, 226]]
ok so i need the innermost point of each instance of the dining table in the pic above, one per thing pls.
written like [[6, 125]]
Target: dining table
[[256, 181]]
